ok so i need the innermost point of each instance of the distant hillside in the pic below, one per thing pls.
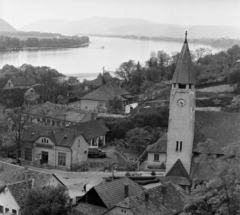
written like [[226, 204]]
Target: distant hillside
[[4, 26], [129, 26], [48, 25]]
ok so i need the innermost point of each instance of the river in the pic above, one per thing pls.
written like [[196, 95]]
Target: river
[[102, 52]]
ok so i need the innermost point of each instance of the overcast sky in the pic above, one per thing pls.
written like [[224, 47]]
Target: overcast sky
[[185, 12]]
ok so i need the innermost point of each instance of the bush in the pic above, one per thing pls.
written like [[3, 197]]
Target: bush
[[127, 174], [153, 173]]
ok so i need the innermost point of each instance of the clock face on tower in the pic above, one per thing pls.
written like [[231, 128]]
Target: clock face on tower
[[181, 102]]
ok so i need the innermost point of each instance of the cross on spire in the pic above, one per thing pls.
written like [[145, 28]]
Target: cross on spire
[[185, 37]]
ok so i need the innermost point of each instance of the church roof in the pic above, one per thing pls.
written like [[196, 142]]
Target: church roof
[[222, 128], [184, 72], [178, 174]]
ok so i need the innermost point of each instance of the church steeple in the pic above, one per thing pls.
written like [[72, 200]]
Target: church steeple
[[184, 72]]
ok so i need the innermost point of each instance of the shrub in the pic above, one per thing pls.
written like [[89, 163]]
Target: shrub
[[153, 173], [127, 174]]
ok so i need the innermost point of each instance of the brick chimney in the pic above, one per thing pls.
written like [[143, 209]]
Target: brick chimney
[[126, 191], [146, 195], [26, 175]]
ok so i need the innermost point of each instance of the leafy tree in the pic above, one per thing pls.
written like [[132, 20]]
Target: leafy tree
[[125, 71], [14, 124], [234, 76], [221, 194], [114, 105], [138, 138], [51, 200]]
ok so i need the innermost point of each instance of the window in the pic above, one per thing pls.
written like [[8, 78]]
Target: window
[[1, 209], [179, 146], [61, 159], [100, 104], [78, 143], [14, 211], [86, 107], [156, 157], [28, 154], [182, 86], [94, 142], [6, 210]]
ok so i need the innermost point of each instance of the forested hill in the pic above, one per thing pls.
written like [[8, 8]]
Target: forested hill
[[4, 26]]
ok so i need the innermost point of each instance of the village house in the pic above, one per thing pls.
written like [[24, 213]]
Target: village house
[[61, 148], [20, 82], [35, 95], [106, 195], [97, 99], [94, 132], [56, 115], [161, 200], [16, 181]]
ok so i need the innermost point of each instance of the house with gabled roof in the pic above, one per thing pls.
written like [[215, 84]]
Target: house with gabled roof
[[167, 199], [56, 115], [62, 148], [108, 194], [94, 132], [16, 181], [97, 99], [22, 82]]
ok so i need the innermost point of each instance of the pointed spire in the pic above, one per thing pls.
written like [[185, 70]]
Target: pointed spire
[[185, 37], [184, 72]]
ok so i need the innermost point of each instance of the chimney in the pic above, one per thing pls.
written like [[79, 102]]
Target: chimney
[[164, 190], [126, 190], [32, 183], [146, 194], [26, 175]]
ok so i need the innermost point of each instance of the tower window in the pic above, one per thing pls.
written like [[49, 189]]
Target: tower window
[[182, 86], [179, 146]]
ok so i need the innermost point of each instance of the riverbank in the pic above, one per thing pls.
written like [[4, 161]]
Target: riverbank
[[223, 43], [43, 48]]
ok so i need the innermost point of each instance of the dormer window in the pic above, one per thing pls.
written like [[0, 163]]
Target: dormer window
[[182, 86]]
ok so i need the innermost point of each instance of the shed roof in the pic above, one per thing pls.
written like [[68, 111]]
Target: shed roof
[[23, 81], [184, 72], [105, 92], [112, 192], [10, 173], [167, 199], [91, 129], [90, 209], [19, 191]]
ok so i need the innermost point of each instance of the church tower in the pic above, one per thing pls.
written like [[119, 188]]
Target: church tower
[[182, 112]]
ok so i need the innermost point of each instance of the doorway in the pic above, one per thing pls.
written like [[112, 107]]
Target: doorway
[[44, 157]]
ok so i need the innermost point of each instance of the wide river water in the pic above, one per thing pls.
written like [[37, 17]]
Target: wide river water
[[89, 61]]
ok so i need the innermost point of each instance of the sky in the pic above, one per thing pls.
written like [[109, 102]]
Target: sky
[[184, 12]]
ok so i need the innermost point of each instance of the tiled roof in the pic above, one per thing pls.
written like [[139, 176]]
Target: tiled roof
[[91, 129], [63, 136], [167, 201], [19, 191], [23, 81], [10, 173], [112, 192], [58, 112], [221, 127], [105, 92], [159, 147], [90, 209], [184, 72]]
